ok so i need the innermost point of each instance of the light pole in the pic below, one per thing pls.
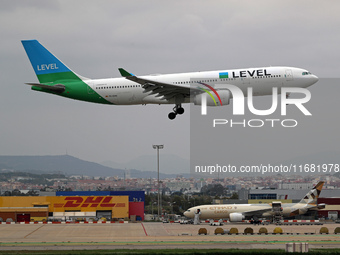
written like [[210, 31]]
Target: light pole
[[172, 207], [153, 203], [158, 147]]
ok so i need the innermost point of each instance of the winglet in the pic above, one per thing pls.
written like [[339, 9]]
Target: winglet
[[125, 73]]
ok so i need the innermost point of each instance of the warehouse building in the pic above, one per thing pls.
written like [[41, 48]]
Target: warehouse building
[[39, 208], [22, 214], [290, 194], [74, 205], [332, 209], [330, 197], [136, 199]]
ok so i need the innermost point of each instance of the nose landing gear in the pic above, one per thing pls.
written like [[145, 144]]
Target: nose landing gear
[[177, 110]]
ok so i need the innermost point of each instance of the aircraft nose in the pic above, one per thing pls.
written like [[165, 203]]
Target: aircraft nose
[[314, 78], [186, 214]]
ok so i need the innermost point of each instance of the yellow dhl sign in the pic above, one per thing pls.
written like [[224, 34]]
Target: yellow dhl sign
[[75, 202], [70, 203], [89, 203]]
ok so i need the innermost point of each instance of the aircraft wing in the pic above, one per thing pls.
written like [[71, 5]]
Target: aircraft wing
[[166, 90], [258, 213]]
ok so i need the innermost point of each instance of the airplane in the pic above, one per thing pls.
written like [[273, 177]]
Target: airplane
[[56, 78], [240, 212]]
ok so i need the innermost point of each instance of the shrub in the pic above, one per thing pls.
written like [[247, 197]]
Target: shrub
[[263, 230], [324, 230], [219, 231], [202, 231], [233, 231], [248, 231]]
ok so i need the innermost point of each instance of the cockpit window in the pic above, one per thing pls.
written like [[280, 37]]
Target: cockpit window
[[188, 210], [306, 73]]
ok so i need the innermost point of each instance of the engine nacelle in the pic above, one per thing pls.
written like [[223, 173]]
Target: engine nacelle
[[224, 95], [235, 217], [321, 206]]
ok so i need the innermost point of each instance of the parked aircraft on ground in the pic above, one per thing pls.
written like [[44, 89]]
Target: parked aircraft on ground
[[239, 212]]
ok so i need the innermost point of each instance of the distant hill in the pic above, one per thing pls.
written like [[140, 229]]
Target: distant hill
[[169, 164], [63, 163], [68, 165]]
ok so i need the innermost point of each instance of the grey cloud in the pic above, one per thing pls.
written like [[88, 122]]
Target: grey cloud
[[94, 38]]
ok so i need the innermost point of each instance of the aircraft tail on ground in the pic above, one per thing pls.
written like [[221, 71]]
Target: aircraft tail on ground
[[312, 196]]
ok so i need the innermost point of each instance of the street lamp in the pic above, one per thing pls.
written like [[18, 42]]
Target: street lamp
[[172, 208], [153, 203], [158, 147]]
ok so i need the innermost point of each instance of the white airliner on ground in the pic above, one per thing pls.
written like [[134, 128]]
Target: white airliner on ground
[[56, 78], [239, 212]]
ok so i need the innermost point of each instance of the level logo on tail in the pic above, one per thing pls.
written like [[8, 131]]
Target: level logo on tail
[[47, 67]]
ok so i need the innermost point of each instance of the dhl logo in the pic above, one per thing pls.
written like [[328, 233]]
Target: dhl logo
[[89, 202]]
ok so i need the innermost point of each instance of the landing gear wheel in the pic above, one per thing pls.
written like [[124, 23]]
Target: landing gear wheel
[[176, 110], [180, 110], [172, 115]]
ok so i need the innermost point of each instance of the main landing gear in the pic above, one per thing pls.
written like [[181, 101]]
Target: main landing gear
[[287, 96], [177, 110]]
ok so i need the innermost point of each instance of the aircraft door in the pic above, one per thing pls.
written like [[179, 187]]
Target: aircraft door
[[277, 211], [289, 75]]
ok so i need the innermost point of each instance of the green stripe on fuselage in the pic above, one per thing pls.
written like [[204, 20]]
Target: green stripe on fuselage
[[75, 88]]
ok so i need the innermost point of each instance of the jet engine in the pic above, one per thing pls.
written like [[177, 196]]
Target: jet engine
[[234, 217], [321, 206], [224, 95]]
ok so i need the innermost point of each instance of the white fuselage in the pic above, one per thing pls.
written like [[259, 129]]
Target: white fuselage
[[121, 91], [223, 211]]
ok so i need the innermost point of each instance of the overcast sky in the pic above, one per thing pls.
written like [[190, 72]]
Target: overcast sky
[[95, 38]]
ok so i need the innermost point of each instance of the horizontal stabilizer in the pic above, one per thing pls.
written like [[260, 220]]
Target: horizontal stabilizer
[[58, 88], [321, 206]]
